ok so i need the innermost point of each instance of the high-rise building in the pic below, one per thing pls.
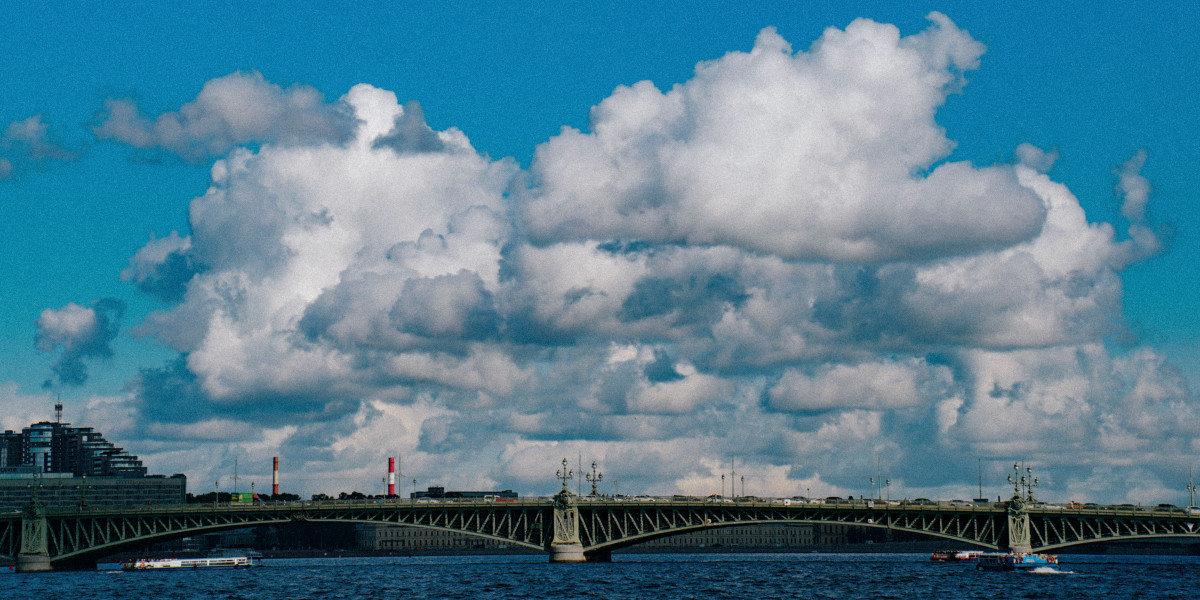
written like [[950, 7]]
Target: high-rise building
[[68, 465], [48, 447]]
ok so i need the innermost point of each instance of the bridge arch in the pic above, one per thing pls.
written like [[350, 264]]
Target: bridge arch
[[73, 537], [88, 556], [616, 544]]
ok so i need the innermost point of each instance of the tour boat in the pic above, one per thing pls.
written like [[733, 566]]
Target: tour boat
[[223, 562], [955, 555], [1017, 561]]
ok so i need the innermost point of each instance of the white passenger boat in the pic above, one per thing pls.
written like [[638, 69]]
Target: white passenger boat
[[222, 562]]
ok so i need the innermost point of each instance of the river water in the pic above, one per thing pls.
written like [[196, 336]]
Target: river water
[[629, 576]]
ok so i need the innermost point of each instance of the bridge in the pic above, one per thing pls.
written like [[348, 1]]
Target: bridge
[[571, 528]]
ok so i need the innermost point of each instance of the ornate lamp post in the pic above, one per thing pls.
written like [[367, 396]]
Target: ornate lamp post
[[1023, 483], [594, 478], [565, 475]]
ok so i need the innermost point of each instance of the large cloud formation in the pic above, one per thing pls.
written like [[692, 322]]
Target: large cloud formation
[[775, 263], [80, 332]]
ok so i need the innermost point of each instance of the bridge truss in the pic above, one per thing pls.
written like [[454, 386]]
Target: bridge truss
[[592, 527]]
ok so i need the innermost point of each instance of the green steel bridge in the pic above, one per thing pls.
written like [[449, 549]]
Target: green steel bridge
[[572, 528]]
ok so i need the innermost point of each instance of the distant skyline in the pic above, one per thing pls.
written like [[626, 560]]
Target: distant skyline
[[821, 240]]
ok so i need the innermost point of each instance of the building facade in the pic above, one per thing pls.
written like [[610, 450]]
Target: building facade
[[75, 466], [437, 492]]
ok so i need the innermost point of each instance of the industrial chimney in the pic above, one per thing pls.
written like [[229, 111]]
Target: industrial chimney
[[275, 477], [391, 476]]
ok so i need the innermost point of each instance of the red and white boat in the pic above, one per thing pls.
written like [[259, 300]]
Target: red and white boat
[[955, 555]]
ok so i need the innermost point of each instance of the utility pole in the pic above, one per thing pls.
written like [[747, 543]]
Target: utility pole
[[979, 465], [1191, 488], [732, 477]]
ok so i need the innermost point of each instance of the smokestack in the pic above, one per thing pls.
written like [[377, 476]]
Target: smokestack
[[275, 477], [391, 476]]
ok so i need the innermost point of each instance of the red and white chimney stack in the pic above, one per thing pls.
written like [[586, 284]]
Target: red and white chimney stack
[[275, 477], [391, 476]]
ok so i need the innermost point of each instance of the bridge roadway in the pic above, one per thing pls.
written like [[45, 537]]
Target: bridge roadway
[[571, 528]]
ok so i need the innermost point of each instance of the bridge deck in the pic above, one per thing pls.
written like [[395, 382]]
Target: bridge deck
[[604, 524]]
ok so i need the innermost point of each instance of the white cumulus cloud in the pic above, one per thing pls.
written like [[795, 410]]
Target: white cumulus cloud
[[778, 260]]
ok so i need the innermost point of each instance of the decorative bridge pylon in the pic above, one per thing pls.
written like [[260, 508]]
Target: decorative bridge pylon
[[1020, 538], [565, 545]]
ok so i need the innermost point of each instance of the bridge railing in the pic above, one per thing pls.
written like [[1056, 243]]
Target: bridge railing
[[679, 501]]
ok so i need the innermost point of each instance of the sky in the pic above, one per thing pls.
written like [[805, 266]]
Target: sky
[[800, 247]]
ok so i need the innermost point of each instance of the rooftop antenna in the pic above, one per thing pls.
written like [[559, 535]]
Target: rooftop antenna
[[58, 411]]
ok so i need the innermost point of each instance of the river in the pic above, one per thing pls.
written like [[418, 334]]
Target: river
[[629, 576]]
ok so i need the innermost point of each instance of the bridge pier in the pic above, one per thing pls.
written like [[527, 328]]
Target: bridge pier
[[35, 550], [33, 563], [565, 545], [1019, 537], [572, 553], [1018, 534]]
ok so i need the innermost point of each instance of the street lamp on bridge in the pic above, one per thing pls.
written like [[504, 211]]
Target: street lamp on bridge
[[1023, 482], [594, 478], [565, 475]]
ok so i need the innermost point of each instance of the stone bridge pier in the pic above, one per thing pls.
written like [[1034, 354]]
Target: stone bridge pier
[[35, 547], [565, 545]]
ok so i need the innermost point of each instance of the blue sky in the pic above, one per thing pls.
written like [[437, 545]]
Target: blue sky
[[680, 277]]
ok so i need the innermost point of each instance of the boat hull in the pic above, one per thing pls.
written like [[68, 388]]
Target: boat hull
[[232, 562], [955, 555], [1016, 561]]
